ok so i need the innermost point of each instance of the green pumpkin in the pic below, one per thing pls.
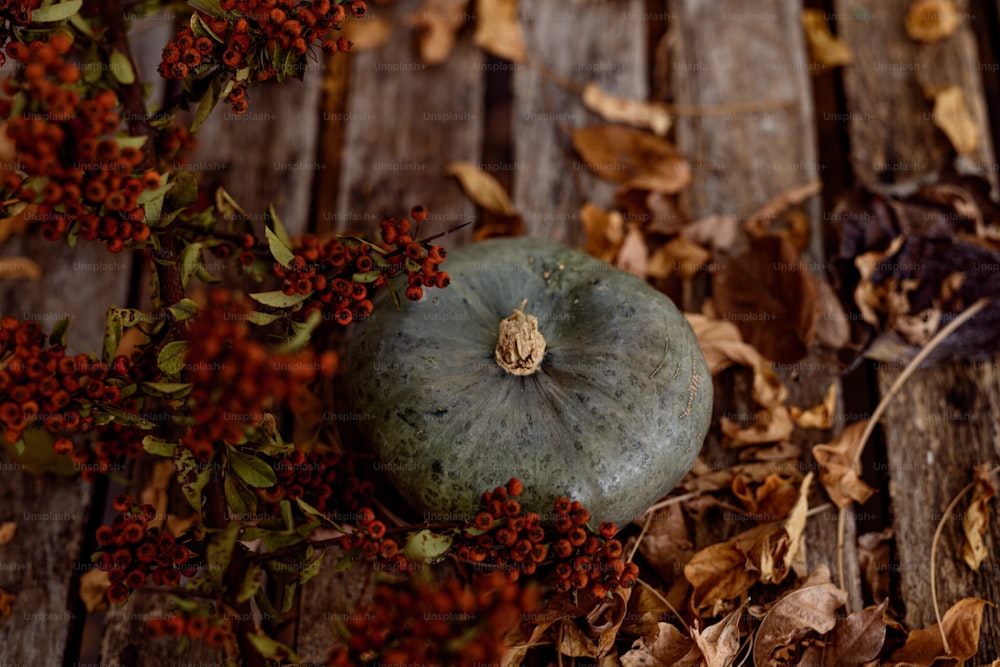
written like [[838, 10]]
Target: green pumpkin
[[607, 402]]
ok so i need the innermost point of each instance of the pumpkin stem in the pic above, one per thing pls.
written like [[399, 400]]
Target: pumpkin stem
[[520, 345]]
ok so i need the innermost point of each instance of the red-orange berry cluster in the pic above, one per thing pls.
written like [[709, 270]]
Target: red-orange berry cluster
[[114, 446], [370, 541], [342, 273], [235, 380], [422, 622], [215, 632], [259, 34], [14, 14], [133, 553], [588, 561], [81, 176], [42, 385], [327, 481]]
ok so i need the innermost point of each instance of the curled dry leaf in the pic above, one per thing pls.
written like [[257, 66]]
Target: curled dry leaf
[[716, 231], [952, 116], [819, 416], [93, 585], [836, 470], [603, 230], [481, 187], [6, 602], [856, 640], [19, 267], [439, 22], [721, 572], [805, 610], [681, 256], [832, 328], [874, 558], [772, 424], [720, 643], [976, 521], [156, 492], [639, 160], [669, 647], [609, 616], [932, 20], [961, 625], [573, 642], [667, 544], [633, 256], [645, 115], [498, 30], [827, 50], [7, 531]]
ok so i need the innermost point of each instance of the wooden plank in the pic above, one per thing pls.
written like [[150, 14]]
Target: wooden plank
[[893, 137], [573, 44], [931, 453], [270, 154], [406, 122]]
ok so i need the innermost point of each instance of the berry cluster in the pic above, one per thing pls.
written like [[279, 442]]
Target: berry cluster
[[327, 481], [114, 446], [270, 37], [235, 380], [133, 553], [213, 631], [81, 175], [14, 14], [503, 537], [342, 273], [417, 621], [370, 541], [40, 384]]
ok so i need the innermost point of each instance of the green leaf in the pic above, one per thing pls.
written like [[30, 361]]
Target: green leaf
[[278, 299], [366, 277], [191, 477], [60, 332], [274, 222], [131, 142], [204, 276], [279, 250], [210, 7], [184, 309], [201, 29], [166, 389], [226, 205], [121, 68], [54, 13], [311, 569], [184, 191], [158, 446], [309, 510], [252, 582], [219, 552], [189, 261], [262, 319], [114, 328], [150, 195], [302, 333], [251, 469], [285, 508], [427, 546], [207, 103], [272, 649], [81, 24], [242, 501], [171, 357]]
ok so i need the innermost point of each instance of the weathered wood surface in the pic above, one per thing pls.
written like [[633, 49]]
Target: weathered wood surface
[[569, 44], [943, 421]]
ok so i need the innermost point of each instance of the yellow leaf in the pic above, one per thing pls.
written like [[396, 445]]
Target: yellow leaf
[[19, 267], [931, 20], [976, 521], [646, 115], [93, 584], [826, 49], [440, 21], [961, 625], [481, 187], [498, 30], [952, 116], [604, 232], [818, 416], [836, 468]]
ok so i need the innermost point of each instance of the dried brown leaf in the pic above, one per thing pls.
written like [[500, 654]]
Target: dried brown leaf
[[439, 22], [931, 20], [603, 230], [19, 267], [6, 602], [667, 545], [668, 648], [795, 615], [874, 556], [769, 425], [498, 30], [720, 643], [7, 531], [856, 640], [961, 625], [640, 160], [573, 642], [818, 416], [481, 187], [93, 585], [633, 256], [976, 521], [952, 116], [722, 572], [681, 256], [645, 115], [717, 231], [825, 49], [837, 472], [156, 492], [832, 328], [17, 223], [613, 612], [770, 296], [369, 34]]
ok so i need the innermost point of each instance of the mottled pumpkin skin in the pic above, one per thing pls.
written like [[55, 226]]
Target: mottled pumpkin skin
[[614, 416]]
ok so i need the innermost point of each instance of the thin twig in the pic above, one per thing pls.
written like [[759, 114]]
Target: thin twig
[[934, 542], [659, 596]]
